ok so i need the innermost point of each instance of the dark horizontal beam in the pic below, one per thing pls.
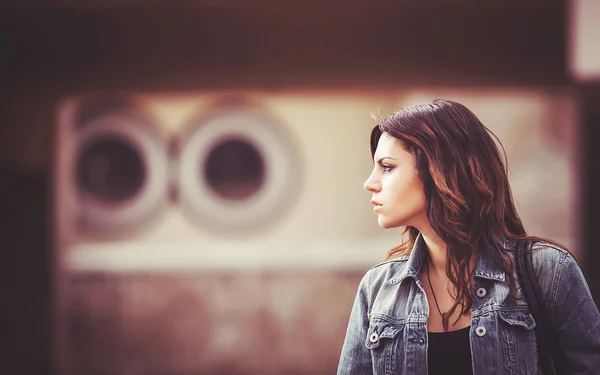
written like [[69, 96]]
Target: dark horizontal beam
[[253, 4], [233, 46]]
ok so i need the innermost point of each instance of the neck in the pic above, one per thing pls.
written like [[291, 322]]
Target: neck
[[437, 250]]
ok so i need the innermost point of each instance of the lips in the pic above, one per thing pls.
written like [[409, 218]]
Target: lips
[[376, 205]]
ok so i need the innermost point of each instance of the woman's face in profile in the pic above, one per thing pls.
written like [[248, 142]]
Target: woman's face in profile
[[398, 195]]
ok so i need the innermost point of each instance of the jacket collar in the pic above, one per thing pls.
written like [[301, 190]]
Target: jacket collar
[[485, 268]]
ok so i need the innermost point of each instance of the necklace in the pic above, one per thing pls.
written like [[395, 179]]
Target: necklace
[[443, 314]]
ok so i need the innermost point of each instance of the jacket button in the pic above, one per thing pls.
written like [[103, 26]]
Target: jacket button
[[481, 292], [373, 337], [480, 331]]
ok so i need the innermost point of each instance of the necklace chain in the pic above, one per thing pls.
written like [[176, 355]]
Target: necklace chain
[[443, 314]]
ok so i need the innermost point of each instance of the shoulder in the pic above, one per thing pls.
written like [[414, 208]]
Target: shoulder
[[555, 268], [548, 250], [383, 273], [547, 257], [395, 263]]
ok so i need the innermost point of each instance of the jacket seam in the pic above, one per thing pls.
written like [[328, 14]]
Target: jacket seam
[[556, 283]]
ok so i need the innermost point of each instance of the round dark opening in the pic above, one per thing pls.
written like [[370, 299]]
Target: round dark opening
[[110, 169], [234, 169]]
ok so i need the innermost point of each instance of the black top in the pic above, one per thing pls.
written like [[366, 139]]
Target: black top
[[450, 353]]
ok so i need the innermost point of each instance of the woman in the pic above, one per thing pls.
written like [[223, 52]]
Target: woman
[[447, 300]]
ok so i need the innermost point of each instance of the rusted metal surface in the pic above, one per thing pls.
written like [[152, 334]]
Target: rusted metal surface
[[247, 323]]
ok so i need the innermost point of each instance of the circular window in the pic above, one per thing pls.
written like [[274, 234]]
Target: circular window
[[234, 169], [120, 172], [110, 169], [238, 170]]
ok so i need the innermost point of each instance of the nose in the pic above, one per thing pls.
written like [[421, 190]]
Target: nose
[[372, 185]]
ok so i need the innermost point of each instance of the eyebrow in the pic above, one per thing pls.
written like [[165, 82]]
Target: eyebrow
[[383, 158]]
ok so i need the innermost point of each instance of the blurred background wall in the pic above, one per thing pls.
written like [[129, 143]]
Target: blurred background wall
[[183, 294]]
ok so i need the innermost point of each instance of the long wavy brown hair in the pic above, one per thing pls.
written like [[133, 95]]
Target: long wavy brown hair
[[469, 202]]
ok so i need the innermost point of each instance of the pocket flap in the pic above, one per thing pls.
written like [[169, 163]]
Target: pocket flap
[[518, 318], [381, 330]]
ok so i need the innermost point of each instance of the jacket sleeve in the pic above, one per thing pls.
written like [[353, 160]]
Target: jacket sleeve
[[574, 314], [355, 358]]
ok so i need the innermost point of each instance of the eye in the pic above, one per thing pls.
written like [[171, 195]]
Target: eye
[[386, 168]]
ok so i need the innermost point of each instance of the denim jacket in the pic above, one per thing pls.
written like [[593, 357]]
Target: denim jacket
[[387, 331]]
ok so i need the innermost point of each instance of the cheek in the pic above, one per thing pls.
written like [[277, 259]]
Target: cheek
[[409, 197], [407, 189], [419, 195]]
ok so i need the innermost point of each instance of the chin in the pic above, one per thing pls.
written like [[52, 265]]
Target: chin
[[386, 224]]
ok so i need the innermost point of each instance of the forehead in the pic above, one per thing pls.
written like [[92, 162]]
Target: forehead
[[390, 146]]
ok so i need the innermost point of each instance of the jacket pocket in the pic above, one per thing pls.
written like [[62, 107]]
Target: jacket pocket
[[380, 331], [518, 341], [382, 341], [518, 318]]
